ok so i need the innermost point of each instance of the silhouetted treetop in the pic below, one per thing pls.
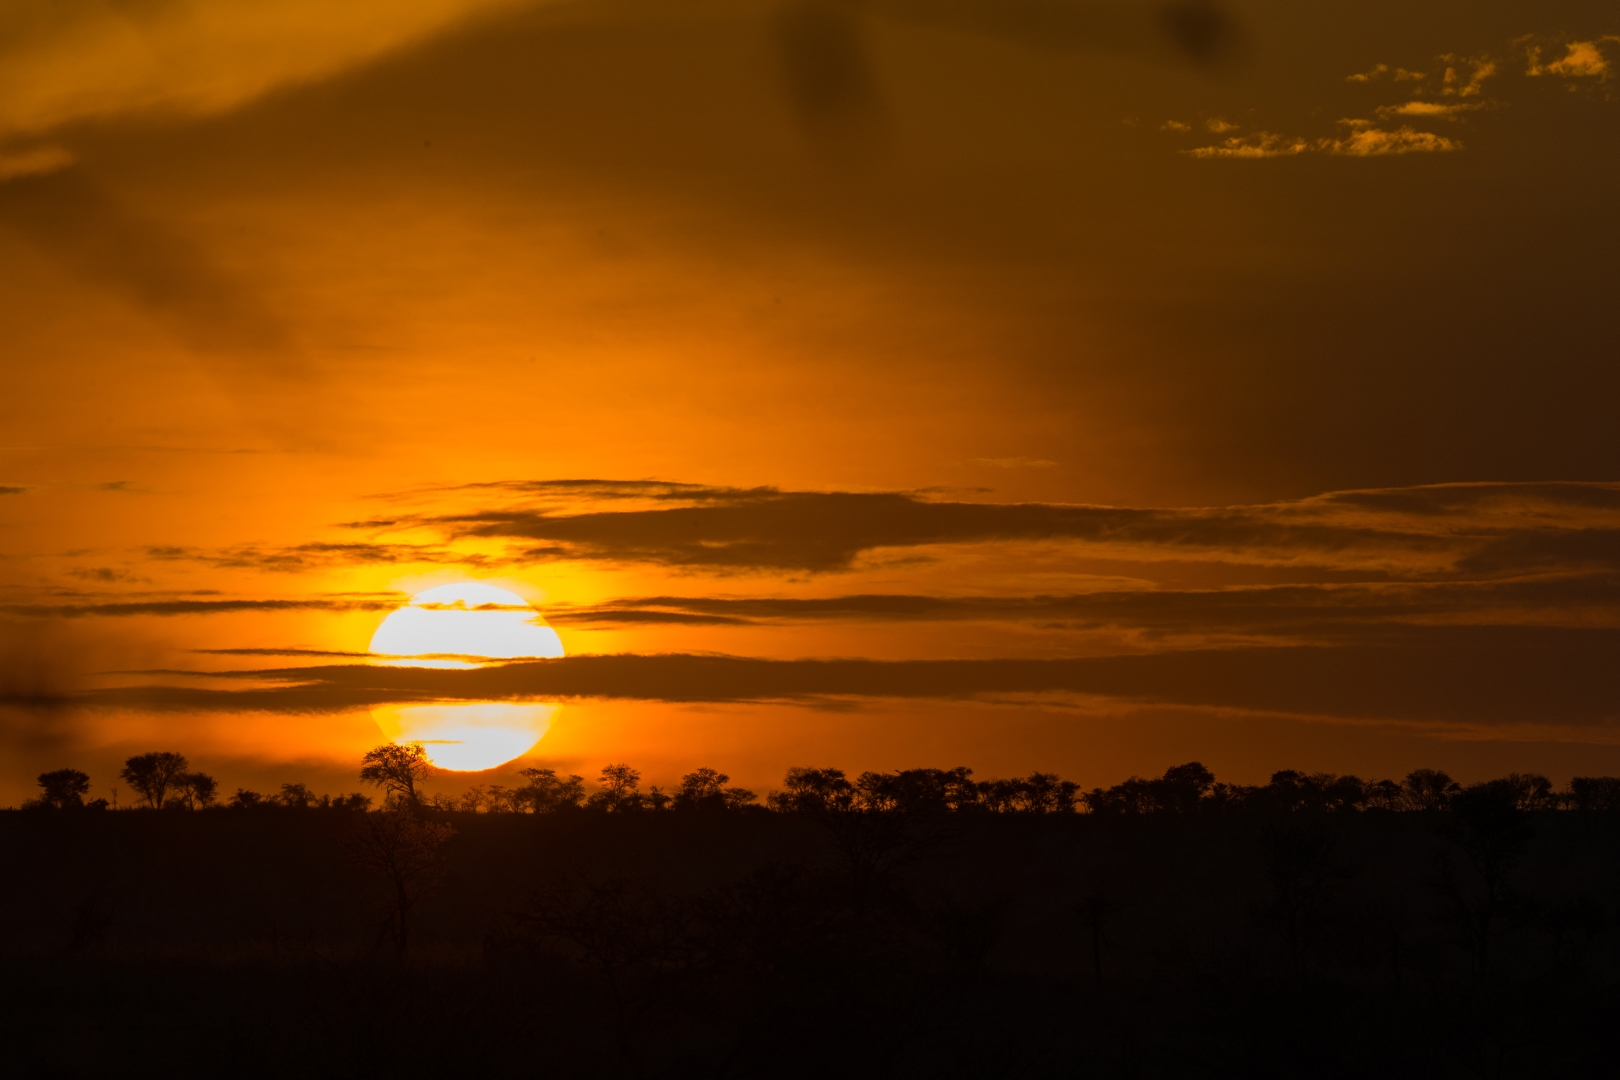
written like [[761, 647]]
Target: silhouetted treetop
[[154, 775], [397, 770], [62, 789]]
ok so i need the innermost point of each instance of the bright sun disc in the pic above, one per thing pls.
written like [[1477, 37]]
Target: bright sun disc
[[460, 626]]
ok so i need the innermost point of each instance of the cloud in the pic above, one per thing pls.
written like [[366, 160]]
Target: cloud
[[12, 490], [1581, 60], [285, 652], [1465, 76], [124, 608], [35, 161], [1364, 139], [75, 60], [297, 558], [1379, 71], [692, 526], [105, 574], [1434, 109], [1474, 676], [1359, 611], [824, 531], [1259, 144]]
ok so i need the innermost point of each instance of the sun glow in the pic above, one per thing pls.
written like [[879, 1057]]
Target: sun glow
[[463, 625], [459, 625]]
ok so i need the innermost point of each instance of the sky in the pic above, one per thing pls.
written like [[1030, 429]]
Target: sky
[[1076, 385]]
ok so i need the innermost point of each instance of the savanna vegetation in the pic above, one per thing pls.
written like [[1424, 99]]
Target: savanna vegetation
[[915, 923]]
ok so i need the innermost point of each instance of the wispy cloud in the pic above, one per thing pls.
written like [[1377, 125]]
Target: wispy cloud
[[1365, 139], [1258, 144], [1465, 76], [1429, 109], [1456, 90], [1361, 138], [33, 161], [297, 558], [723, 529], [124, 608], [78, 62], [1475, 676]]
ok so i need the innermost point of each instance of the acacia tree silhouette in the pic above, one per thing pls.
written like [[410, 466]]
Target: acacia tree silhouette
[[196, 789], [62, 789], [153, 775], [705, 789], [397, 770], [546, 792], [618, 792]]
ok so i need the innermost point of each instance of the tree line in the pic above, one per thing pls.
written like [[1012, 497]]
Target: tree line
[[164, 780]]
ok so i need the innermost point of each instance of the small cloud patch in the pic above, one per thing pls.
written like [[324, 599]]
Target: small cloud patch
[[1364, 139], [1429, 109], [1581, 60]]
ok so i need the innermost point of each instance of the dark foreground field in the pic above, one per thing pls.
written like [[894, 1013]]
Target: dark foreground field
[[250, 943]]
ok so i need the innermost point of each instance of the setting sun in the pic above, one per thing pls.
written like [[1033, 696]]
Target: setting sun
[[460, 626]]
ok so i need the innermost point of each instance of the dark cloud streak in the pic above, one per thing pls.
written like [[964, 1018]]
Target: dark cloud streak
[[1462, 675]]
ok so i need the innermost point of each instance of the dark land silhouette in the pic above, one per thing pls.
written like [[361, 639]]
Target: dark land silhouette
[[919, 923]]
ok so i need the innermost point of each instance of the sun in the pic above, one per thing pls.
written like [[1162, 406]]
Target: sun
[[463, 625]]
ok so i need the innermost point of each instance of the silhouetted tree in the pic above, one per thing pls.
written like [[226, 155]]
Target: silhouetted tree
[[245, 799], [153, 775], [1038, 793], [1182, 789], [1384, 795], [397, 770], [917, 791], [404, 849], [813, 791], [196, 789], [295, 797], [547, 793], [705, 789], [618, 792], [1532, 791], [1428, 789], [1593, 793], [62, 789]]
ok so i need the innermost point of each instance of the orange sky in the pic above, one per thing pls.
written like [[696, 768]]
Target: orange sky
[[1253, 366]]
